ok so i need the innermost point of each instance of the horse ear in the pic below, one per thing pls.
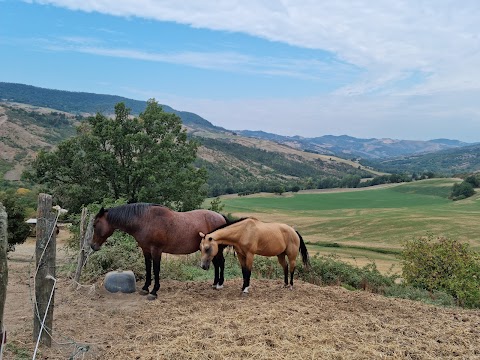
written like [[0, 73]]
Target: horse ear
[[101, 212], [202, 235]]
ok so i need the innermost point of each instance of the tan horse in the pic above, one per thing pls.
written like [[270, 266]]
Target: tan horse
[[158, 230], [250, 236]]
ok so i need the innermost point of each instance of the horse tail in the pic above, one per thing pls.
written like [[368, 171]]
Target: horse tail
[[303, 250]]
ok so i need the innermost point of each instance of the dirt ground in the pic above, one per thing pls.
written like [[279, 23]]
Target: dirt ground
[[190, 320]]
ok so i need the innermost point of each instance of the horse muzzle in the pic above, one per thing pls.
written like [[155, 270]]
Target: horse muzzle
[[95, 247], [205, 265]]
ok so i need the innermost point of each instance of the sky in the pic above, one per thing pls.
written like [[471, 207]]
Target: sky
[[405, 69]]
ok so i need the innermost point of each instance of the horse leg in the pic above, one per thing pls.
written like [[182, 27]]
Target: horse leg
[[219, 264], [246, 262], [148, 273], [292, 262], [281, 260], [156, 273]]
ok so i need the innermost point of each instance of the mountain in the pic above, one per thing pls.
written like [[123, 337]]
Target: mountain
[[465, 159], [342, 146], [83, 103], [33, 118], [351, 147], [235, 163]]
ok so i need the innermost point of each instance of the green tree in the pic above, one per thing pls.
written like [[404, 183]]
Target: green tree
[[474, 180], [146, 158], [462, 191], [17, 228]]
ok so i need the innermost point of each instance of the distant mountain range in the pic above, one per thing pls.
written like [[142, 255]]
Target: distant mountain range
[[343, 146]]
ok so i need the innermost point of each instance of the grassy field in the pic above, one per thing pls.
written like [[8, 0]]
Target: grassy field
[[371, 224]]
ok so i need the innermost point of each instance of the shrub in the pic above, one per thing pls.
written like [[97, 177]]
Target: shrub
[[325, 270], [443, 265], [412, 293], [119, 252], [462, 191]]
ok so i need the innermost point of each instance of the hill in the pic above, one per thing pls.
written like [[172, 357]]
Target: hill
[[448, 162], [342, 146], [235, 163], [351, 147]]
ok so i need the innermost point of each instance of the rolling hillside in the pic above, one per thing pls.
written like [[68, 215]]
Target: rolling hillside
[[234, 162], [342, 146], [448, 162]]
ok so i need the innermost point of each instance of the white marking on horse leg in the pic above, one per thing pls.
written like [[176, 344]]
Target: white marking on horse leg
[[245, 291], [291, 287], [219, 287]]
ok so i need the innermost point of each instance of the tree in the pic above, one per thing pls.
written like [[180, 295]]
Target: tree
[[146, 158], [17, 228], [462, 191], [474, 180]]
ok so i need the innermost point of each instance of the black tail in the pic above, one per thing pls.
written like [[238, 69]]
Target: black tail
[[303, 251]]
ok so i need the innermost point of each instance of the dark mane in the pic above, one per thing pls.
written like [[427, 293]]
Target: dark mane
[[126, 214], [230, 223]]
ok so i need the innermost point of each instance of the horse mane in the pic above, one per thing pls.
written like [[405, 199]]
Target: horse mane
[[232, 222], [127, 214]]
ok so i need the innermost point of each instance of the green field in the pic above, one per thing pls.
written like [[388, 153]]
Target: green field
[[371, 224]]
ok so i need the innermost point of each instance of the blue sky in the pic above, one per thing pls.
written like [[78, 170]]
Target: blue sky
[[365, 68]]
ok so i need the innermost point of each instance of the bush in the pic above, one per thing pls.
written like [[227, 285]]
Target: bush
[[119, 252], [462, 191], [412, 293], [474, 180], [443, 265], [329, 271]]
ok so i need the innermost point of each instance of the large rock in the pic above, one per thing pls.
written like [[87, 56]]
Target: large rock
[[120, 281]]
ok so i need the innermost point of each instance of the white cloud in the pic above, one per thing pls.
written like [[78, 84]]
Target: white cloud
[[419, 62], [385, 38]]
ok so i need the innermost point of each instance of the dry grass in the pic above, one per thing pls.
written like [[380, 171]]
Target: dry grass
[[189, 320]]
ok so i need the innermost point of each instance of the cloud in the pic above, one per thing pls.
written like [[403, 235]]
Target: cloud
[[312, 69], [387, 39]]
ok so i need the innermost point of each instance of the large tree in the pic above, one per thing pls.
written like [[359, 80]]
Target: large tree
[[146, 158], [17, 228]]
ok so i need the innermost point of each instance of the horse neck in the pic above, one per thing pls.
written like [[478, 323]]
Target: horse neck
[[230, 235], [128, 228]]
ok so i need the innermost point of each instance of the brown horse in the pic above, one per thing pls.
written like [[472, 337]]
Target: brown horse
[[250, 236], [157, 229]]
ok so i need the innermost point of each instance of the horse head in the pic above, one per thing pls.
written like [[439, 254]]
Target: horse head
[[209, 248], [101, 229]]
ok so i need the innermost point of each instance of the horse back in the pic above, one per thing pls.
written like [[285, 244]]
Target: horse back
[[177, 232]]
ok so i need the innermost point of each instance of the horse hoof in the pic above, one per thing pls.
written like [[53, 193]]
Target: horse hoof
[[291, 287], [143, 292], [151, 297], [219, 287]]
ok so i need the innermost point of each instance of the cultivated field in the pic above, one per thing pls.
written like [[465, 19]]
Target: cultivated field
[[368, 224]]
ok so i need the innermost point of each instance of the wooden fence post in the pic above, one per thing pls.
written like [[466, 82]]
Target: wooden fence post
[[45, 253], [3, 268]]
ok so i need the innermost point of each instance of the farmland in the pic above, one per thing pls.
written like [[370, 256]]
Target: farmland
[[369, 224]]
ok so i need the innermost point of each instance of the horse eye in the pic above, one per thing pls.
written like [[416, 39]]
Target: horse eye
[[210, 238]]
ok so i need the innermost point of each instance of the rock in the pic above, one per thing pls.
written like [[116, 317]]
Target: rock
[[120, 281]]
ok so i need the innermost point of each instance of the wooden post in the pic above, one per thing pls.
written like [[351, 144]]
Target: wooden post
[[86, 233], [45, 252], [3, 268]]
